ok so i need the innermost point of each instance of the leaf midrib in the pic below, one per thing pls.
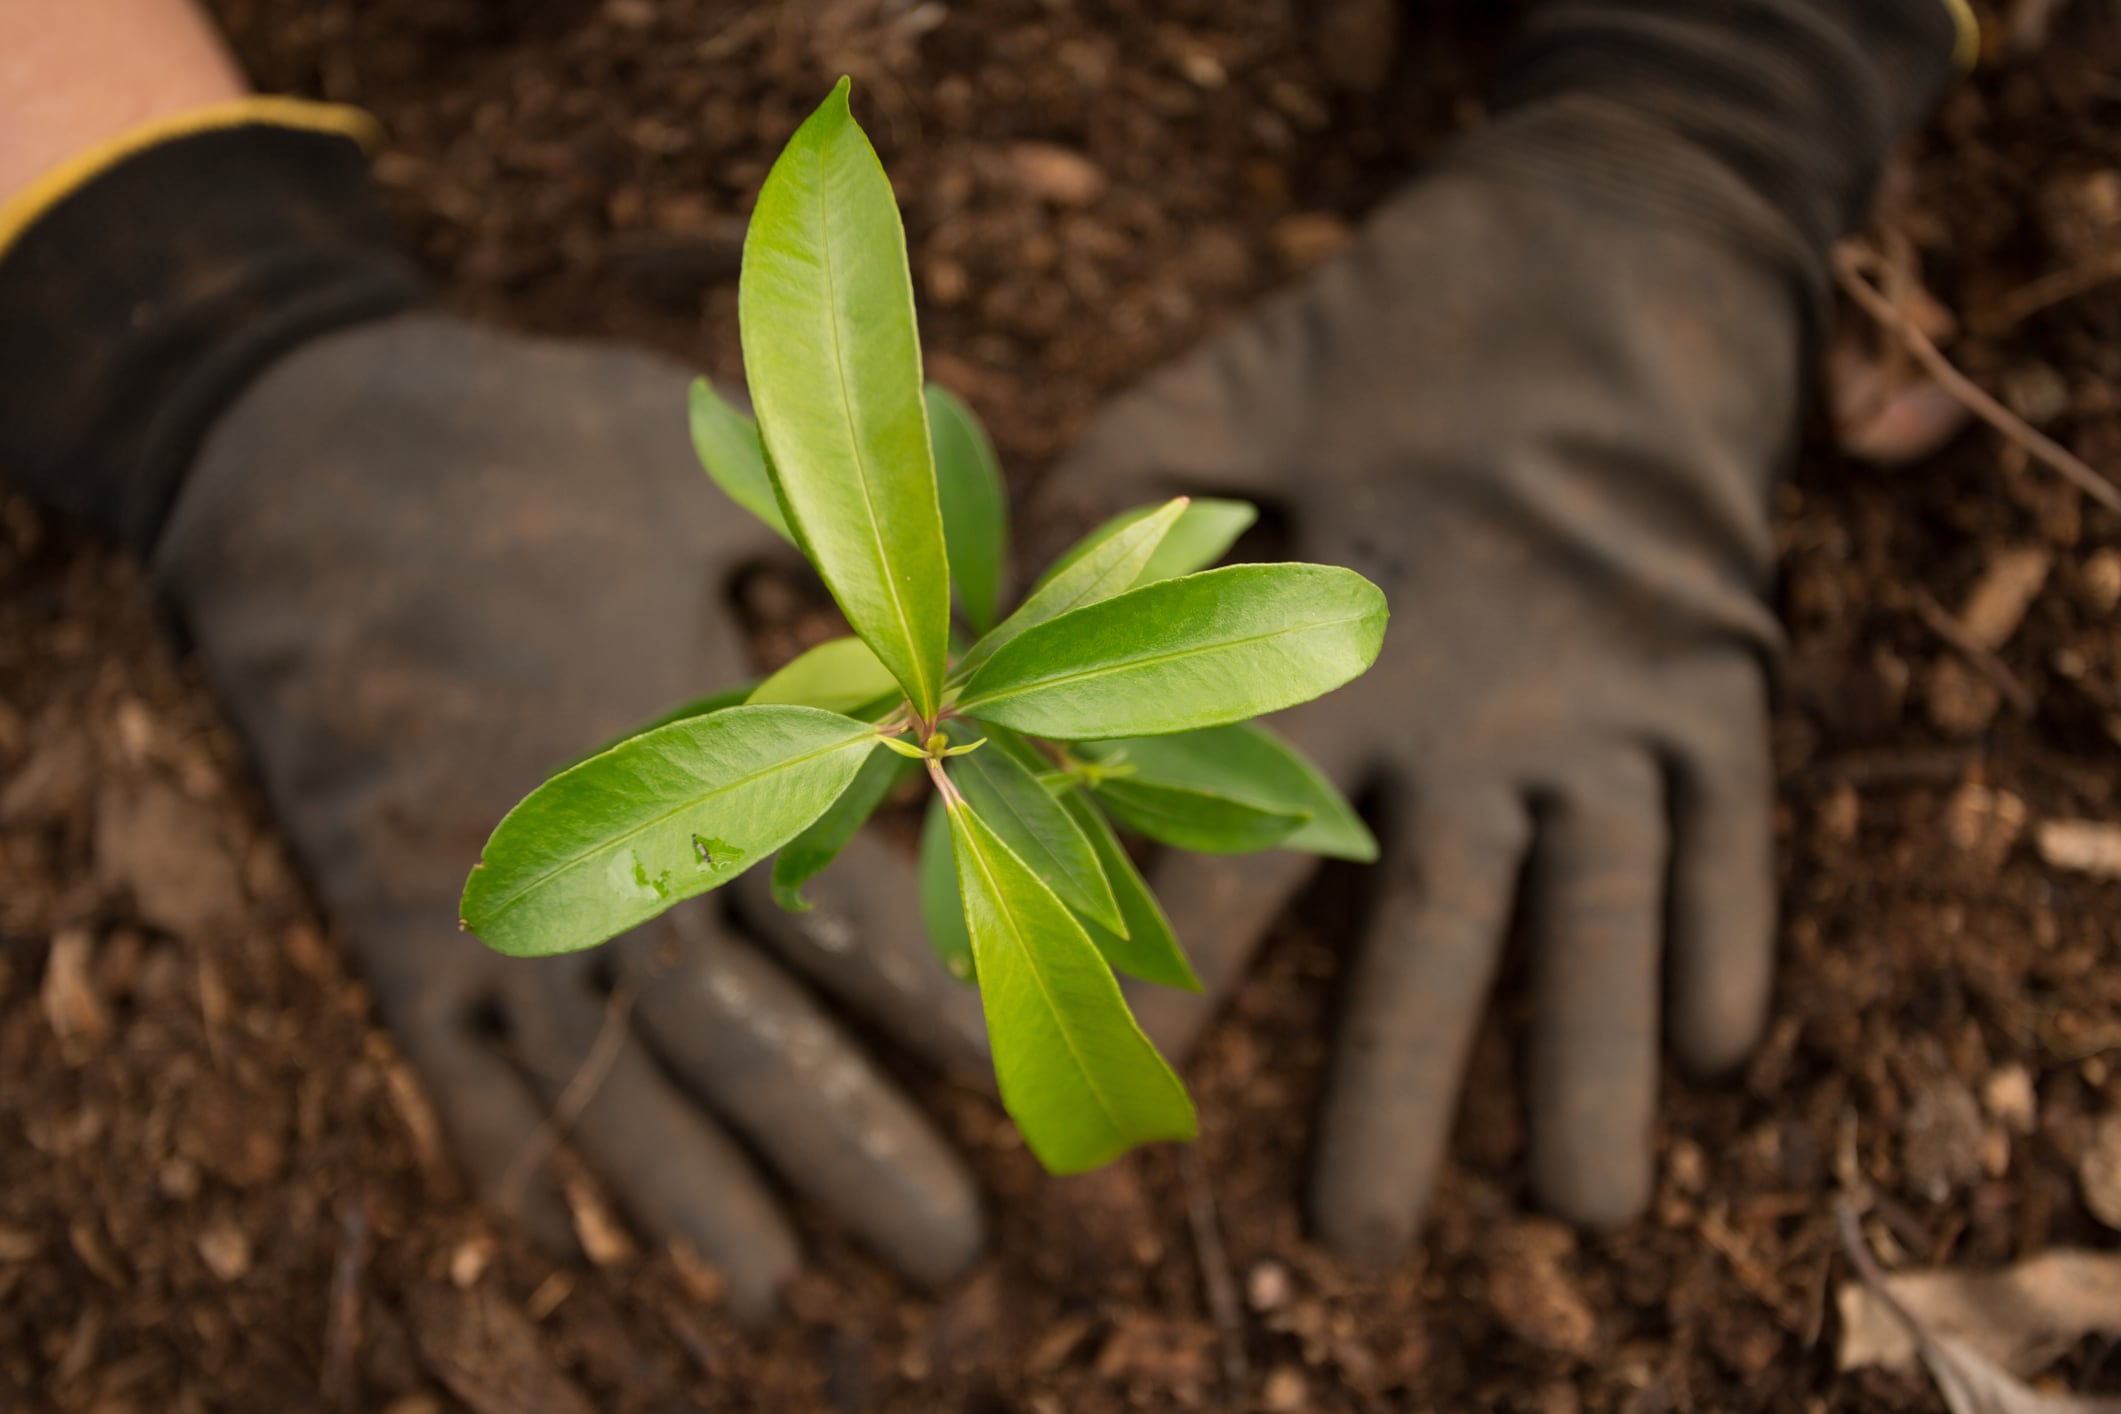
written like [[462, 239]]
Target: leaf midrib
[[1061, 864], [1038, 976], [1150, 660], [861, 459], [612, 841]]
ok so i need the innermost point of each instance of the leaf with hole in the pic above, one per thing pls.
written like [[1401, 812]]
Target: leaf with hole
[[833, 364], [660, 817]]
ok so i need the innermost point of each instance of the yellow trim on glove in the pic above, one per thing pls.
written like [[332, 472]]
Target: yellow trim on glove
[[1968, 50], [20, 211]]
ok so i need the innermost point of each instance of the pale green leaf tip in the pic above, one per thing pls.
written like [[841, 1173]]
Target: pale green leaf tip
[[904, 748]]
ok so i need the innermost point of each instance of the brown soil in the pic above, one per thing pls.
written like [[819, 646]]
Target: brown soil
[[223, 1191]]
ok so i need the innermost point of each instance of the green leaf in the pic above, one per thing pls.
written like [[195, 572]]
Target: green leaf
[[727, 443], [1195, 820], [968, 481], [1077, 1075], [1149, 949], [1107, 570], [1252, 765], [1203, 535], [805, 857], [840, 675], [699, 707], [1032, 823], [942, 910], [1199, 651], [610, 843], [833, 362]]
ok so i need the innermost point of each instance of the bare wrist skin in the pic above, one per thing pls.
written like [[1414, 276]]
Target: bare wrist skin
[[75, 76]]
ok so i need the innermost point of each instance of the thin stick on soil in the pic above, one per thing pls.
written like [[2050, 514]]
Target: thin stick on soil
[[1946, 627], [581, 1088], [1850, 262], [342, 1339], [1215, 1274], [2049, 290]]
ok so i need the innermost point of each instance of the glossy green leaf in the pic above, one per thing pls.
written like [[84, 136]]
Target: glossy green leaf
[[1194, 819], [840, 675], [968, 482], [833, 364], [699, 707], [1252, 765], [610, 843], [1077, 1075], [1032, 823], [1203, 535], [727, 443], [805, 857], [942, 910], [1149, 949], [1108, 569], [1201, 651]]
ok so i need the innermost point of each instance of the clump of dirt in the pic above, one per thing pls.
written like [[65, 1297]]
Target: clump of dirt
[[225, 1190]]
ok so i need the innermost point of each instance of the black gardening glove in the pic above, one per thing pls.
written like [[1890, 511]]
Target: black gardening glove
[[425, 564], [1542, 401]]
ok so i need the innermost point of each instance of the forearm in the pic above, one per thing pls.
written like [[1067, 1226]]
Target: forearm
[[164, 236], [74, 76]]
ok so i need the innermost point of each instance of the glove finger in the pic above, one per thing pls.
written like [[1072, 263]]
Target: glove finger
[[677, 1174], [758, 1050], [863, 942], [1414, 1000], [487, 1112], [1595, 909], [1722, 963]]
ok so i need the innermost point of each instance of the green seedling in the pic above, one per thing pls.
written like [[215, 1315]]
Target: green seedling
[[1120, 688]]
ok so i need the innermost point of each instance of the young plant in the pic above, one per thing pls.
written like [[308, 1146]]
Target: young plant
[[1121, 687]]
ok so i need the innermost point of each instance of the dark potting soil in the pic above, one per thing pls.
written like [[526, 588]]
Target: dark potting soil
[[223, 1190]]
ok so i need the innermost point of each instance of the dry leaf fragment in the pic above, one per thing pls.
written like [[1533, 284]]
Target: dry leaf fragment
[[1972, 1330]]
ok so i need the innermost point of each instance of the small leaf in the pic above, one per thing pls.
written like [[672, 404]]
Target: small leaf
[[699, 707], [1203, 535], [942, 910], [1032, 823], [1254, 766], [1107, 570], [1149, 949], [805, 857], [839, 675], [1076, 1073], [1201, 651], [727, 443], [671, 813], [1195, 820], [968, 481], [833, 362], [901, 747]]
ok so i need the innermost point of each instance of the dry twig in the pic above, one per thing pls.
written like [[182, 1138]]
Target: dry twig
[[1949, 629], [1215, 1274], [581, 1088], [1850, 265]]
